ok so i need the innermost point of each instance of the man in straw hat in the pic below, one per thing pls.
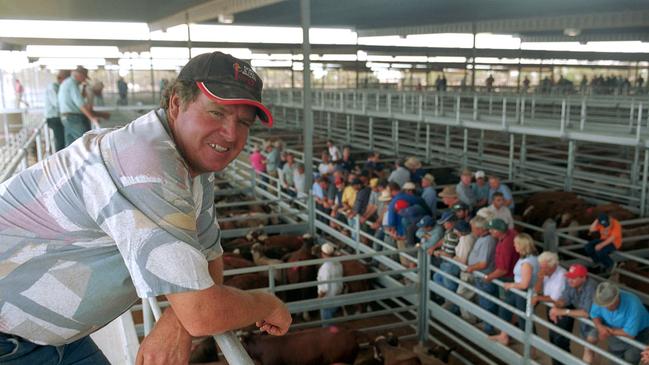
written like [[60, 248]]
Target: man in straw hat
[[618, 313], [128, 213]]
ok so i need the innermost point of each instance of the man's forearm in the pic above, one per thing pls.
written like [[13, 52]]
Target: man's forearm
[[221, 308]]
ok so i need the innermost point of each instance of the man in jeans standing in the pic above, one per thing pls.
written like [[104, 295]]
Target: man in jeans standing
[[76, 115]]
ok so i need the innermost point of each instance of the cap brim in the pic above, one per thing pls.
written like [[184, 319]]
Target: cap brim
[[573, 276], [262, 112]]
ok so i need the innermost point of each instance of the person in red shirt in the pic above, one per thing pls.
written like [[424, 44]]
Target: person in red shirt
[[506, 256], [610, 240], [505, 259]]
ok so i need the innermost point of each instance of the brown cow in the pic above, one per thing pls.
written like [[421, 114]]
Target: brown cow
[[235, 261], [289, 242], [392, 354], [247, 281], [204, 351], [315, 346], [302, 274]]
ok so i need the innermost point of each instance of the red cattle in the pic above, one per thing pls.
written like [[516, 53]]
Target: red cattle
[[302, 274], [235, 261], [315, 346], [247, 281]]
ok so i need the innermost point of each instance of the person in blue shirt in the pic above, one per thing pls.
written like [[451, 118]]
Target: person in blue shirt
[[480, 189], [494, 186], [618, 313], [407, 193]]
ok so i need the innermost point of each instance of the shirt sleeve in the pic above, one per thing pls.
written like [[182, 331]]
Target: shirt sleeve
[[75, 95], [596, 311], [152, 215], [207, 226]]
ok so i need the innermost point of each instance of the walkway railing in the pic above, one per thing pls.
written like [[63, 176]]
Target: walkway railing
[[451, 325]]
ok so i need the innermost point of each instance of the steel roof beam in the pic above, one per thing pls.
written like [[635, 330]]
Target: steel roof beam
[[605, 20]]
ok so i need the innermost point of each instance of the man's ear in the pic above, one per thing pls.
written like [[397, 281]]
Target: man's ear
[[174, 107]]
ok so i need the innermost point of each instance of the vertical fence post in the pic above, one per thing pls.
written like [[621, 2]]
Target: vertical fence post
[[428, 151], [423, 262], [457, 109], [48, 143], [643, 191], [529, 309], [370, 131], [475, 107], [357, 232], [271, 279], [512, 140], [147, 317], [582, 115], [39, 148], [504, 116]]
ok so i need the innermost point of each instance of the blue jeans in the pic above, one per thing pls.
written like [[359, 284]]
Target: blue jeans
[[517, 302], [327, 313], [602, 256], [450, 269], [485, 303], [74, 126], [17, 351]]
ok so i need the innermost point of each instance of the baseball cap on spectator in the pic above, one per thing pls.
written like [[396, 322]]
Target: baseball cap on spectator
[[374, 182], [401, 204], [426, 221], [430, 178], [576, 271], [603, 219], [459, 206], [227, 80], [486, 213], [462, 226], [447, 216], [498, 224], [480, 174], [385, 196], [408, 186], [606, 293], [448, 192]]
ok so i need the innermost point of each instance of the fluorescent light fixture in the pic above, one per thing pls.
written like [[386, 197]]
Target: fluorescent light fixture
[[401, 65], [73, 51], [226, 18], [572, 32]]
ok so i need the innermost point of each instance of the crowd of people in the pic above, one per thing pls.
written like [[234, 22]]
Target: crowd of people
[[471, 223]]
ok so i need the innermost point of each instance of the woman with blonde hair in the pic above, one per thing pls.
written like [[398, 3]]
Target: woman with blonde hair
[[525, 275]]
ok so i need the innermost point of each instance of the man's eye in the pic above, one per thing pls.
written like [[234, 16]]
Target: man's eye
[[217, 114], [247, 123]]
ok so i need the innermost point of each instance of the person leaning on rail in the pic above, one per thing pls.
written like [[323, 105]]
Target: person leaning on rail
[[575, 302], [617, 313], [550, 285], [127, 213]]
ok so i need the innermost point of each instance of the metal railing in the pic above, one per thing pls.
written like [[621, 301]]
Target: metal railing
[[434, 311], [14, 154]]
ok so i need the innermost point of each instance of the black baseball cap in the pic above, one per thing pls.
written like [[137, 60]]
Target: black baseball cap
[[227, 80]]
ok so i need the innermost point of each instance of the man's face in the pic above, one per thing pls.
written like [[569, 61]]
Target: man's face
[[480, 181], [448, 225], [494, 183], [425, 183], [496, 233], [466, 179], [546, 269], [290, 159], [576, 282], [209, 135], [460, 214], [498, 202], [325, 158], [449, 201]]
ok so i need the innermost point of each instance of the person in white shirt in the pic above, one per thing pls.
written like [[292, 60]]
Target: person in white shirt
[[334, 152], [329, 270], [550, 285], [325, 166], [500, 210]]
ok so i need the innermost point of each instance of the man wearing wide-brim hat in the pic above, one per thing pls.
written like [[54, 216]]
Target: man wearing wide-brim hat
[[617, 313], [449, 196]]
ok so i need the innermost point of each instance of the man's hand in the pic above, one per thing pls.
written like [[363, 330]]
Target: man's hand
[[278, 321], [554, 314], [599, 246], [430, 251], [645, 356], [168, 343], [535, 300], [603, 332], [488, 279]]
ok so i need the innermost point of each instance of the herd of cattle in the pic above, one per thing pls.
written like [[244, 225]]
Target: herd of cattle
[[338, 345]]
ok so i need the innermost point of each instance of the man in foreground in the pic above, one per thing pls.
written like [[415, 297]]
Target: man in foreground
[[129, 213]]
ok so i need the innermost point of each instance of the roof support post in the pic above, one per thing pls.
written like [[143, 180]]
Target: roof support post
[[305, 10]]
